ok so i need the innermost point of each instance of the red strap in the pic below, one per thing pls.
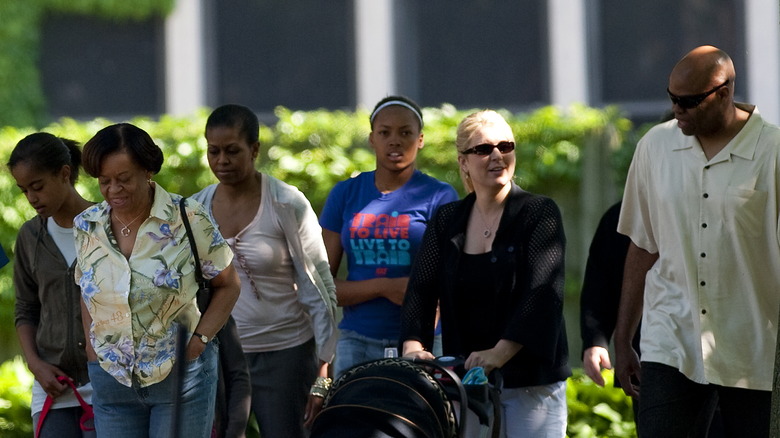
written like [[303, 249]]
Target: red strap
[[86, 407]]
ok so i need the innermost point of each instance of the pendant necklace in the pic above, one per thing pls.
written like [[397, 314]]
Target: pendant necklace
[[125, 231], [488, 228]]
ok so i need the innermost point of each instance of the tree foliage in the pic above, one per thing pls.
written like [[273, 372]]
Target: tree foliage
[[23, 103]]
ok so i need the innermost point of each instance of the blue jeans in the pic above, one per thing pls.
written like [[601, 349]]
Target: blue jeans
[[354, 348], [63, 423], [142, 412], [534, 411]]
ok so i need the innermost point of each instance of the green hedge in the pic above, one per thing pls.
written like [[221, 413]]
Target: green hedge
[[15, 395], [313, 150]]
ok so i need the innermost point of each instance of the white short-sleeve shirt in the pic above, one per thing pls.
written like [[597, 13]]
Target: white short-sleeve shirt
[[711, 300]]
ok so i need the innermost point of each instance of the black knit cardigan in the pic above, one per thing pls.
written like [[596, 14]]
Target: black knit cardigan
[[527, 260]]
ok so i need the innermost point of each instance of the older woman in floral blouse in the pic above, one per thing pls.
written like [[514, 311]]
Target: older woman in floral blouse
[[136, 272]]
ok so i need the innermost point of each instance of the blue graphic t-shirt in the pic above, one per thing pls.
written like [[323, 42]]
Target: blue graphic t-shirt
[[380, 234]]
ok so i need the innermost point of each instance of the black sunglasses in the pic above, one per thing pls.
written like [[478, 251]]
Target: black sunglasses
[[504, 147], [693, 100]]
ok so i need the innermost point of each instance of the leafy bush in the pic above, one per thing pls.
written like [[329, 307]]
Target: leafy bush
[[15, 395], [598, 412], [23, 104], [315, 149]]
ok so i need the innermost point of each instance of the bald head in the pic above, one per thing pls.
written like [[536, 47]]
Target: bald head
[[701, 69]]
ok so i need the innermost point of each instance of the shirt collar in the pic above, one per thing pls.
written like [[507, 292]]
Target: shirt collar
[[743, 144], [161, 204]]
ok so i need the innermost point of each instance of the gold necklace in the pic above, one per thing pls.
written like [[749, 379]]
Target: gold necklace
[[125, 231], [488, 228]]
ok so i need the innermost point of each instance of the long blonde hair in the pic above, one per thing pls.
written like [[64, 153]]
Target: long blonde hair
[[467, 128]]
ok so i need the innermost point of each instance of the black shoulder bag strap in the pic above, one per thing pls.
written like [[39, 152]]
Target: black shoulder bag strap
[[204, 287]]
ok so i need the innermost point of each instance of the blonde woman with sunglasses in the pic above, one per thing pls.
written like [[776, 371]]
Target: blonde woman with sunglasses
[[494, 261]]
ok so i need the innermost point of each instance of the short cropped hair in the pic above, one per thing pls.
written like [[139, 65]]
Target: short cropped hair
[[122, 137]]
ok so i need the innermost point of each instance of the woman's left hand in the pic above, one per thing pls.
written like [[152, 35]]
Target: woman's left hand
[[493, 358], [313, 407], [487, 359], [194, 348]]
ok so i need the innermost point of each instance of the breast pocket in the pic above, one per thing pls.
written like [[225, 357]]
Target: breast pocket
[[744, 211]]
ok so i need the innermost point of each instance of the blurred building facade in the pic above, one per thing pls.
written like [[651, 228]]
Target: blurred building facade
[[341, 54]]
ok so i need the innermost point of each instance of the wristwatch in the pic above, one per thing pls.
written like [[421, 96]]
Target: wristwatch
[[203, 338]]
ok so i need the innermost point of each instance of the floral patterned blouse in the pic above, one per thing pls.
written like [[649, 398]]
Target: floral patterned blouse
[[135, 302]]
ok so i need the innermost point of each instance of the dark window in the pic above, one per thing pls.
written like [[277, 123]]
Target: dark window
[[97, 67], [480, 53], [639, 43], [276, 52]]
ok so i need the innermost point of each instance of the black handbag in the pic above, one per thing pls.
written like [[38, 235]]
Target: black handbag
[[204, 286]]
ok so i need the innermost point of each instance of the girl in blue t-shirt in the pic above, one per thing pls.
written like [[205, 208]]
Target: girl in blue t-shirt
[[378, 219]]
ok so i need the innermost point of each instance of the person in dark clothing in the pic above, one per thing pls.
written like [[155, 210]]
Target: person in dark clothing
[[495, 261], [601, 294]]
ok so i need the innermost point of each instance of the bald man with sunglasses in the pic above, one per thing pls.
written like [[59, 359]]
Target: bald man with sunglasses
[[702, 210]]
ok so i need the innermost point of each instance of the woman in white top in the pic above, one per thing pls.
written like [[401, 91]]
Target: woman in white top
[[285, 313]]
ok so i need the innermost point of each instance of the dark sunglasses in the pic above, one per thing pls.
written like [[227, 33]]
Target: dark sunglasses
[[504, 147], [693, 100]]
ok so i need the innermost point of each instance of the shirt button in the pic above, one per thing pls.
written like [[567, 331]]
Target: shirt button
[[703, 311], [703, 255], [706, 195], [706, 167], [493, 259], [704, 225], [703, 283], [510, 249]]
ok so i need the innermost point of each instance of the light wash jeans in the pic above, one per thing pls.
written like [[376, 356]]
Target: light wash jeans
[[535, 411], [353, 349], [136, 412]]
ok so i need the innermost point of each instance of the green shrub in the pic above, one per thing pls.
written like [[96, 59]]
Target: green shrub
[[598, 412], [313, 150], [15, 395], [23, 103]]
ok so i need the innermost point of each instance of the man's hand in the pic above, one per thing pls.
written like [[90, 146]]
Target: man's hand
[[593, 360], [627, 370]]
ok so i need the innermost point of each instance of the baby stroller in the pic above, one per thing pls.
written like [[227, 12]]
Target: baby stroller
[[403, 398]]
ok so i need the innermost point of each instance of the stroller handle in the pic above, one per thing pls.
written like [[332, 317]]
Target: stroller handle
[[458, 385]]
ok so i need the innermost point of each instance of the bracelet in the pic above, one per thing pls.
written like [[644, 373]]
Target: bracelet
[[320, 387]]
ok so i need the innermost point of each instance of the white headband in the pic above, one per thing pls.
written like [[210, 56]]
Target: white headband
[[396, 102]]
